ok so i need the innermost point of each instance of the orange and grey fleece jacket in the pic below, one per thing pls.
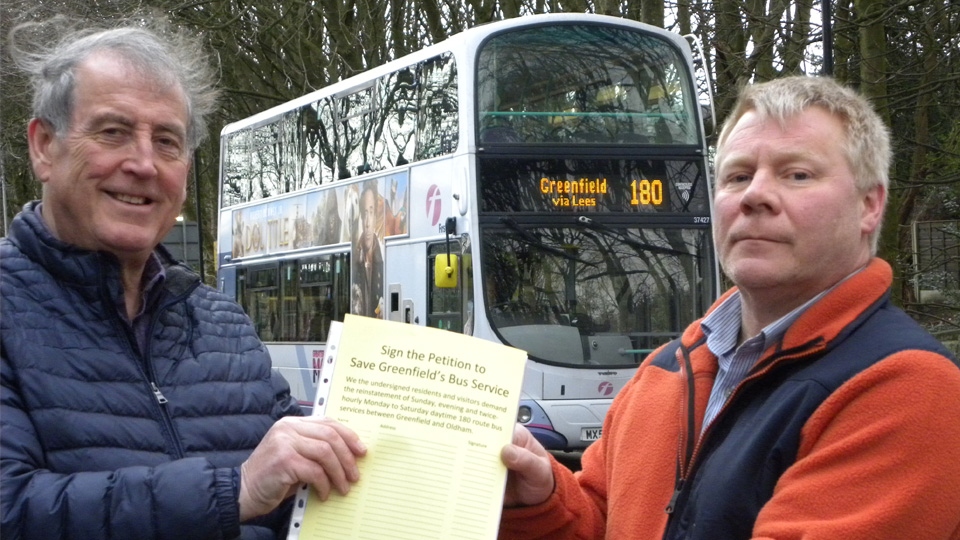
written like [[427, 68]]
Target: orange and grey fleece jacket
[[848, 428]]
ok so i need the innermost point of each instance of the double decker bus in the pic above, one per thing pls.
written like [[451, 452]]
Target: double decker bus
[[539, 182]]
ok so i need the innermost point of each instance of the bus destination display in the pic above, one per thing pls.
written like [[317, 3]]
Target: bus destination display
[[593, 192]]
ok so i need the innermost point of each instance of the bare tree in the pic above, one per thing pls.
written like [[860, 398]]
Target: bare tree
[[904, 55]]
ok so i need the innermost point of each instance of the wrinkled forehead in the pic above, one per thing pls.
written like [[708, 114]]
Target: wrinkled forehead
[[112, 71]]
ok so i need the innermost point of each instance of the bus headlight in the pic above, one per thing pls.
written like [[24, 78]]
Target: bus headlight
[[524, 414]]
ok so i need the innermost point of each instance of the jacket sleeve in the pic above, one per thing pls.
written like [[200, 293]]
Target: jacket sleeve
[[286, 404], [878, 459], [577, 509], [186, 498], [570, 513]]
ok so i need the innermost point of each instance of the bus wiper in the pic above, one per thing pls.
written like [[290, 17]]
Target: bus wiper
[[591, 224], [534, 241]]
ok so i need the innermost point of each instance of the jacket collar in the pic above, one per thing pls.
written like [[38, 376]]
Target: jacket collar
[[825, 320], [79, 267]]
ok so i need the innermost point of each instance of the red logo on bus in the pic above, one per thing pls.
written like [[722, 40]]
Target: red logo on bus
[[605, 388], [433, 205]]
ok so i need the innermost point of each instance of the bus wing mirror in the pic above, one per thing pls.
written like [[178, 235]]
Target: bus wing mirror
[[704, 88], [445, 270], [709, 121]]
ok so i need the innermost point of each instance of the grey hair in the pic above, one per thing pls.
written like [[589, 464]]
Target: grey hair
[[169, 57], [867, 138]]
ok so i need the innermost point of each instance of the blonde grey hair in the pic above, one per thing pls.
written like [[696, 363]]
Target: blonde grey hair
[[168, 57]]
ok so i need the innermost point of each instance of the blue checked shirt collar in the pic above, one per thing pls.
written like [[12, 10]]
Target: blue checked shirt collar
[[722, 328]]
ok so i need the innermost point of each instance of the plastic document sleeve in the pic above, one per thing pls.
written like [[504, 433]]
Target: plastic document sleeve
[[434, 409], [319, 409]]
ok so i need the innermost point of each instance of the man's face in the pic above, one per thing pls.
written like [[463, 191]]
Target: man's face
[[368, 217], [116, 180], [789, 221]]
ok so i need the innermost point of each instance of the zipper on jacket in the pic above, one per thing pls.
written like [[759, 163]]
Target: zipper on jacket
[[687, 445], [143, 359], [156, 392], [685, 466], [151, 376], [676, 494]]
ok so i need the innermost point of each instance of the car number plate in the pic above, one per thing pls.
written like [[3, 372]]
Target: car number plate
[[590, 434]]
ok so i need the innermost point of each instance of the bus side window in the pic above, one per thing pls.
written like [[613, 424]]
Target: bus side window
[[324, 284]]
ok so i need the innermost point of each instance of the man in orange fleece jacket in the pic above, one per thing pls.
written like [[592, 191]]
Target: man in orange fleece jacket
[[804, 404]]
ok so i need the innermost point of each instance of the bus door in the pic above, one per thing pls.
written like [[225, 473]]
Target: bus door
[[405, 289]]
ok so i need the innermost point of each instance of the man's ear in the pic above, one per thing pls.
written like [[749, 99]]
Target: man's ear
[[41, 139], [873, 201]]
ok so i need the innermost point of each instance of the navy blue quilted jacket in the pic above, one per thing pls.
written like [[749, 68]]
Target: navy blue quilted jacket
[[99, 439]]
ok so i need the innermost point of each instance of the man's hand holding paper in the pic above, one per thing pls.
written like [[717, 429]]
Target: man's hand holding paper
[[316, 451]]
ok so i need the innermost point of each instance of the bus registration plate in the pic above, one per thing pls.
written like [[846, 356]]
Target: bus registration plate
[[590, 434]]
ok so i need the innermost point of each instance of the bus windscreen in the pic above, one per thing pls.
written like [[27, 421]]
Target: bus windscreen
[[623, 87]]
